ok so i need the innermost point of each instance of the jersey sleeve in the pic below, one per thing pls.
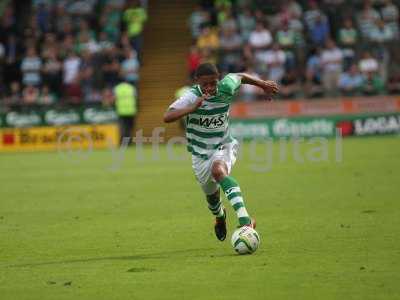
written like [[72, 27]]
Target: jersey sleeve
[[185, 100], [230, 84]]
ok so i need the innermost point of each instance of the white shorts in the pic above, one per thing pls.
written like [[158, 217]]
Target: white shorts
[[202, 168]]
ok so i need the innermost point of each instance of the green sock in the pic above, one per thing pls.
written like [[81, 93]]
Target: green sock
[[215, 206], [233, 193]]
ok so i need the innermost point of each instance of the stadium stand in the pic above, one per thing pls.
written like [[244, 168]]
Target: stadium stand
[[102, 41], [312, 48], [69, 52]]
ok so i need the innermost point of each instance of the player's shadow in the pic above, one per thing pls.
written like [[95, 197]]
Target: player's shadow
[[151, 256]]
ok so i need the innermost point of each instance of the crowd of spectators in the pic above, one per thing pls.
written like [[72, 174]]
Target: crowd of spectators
[[68, 51], [311, 48]]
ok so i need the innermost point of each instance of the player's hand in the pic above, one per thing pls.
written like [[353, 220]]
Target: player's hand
[[270, 88]]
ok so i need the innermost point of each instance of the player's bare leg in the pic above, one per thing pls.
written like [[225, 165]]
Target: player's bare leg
[[219, 171]]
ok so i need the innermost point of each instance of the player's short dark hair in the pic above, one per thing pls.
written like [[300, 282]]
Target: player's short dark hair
[[206, 69]]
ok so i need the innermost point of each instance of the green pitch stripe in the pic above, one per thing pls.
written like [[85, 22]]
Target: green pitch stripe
[[238, 205], [233, 195], [203, 145], [205, 134], [203, 156], [213, 111]]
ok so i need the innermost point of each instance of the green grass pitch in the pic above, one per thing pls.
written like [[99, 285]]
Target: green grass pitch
[[76, 226]]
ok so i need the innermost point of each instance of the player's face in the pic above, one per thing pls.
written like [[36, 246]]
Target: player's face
[[208, 84]]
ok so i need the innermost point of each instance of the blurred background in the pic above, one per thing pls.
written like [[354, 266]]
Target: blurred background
[[61, 61]]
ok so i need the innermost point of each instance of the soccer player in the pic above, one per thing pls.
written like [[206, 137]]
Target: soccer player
[[206, 110]]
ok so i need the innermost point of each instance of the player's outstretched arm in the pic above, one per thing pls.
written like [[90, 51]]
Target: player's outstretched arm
[[172, 114], [270, 87]]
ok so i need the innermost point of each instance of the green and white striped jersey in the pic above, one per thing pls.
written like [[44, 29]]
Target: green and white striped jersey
[[207, 128]]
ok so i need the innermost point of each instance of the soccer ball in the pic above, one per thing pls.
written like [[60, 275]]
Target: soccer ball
[[245, 240]]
